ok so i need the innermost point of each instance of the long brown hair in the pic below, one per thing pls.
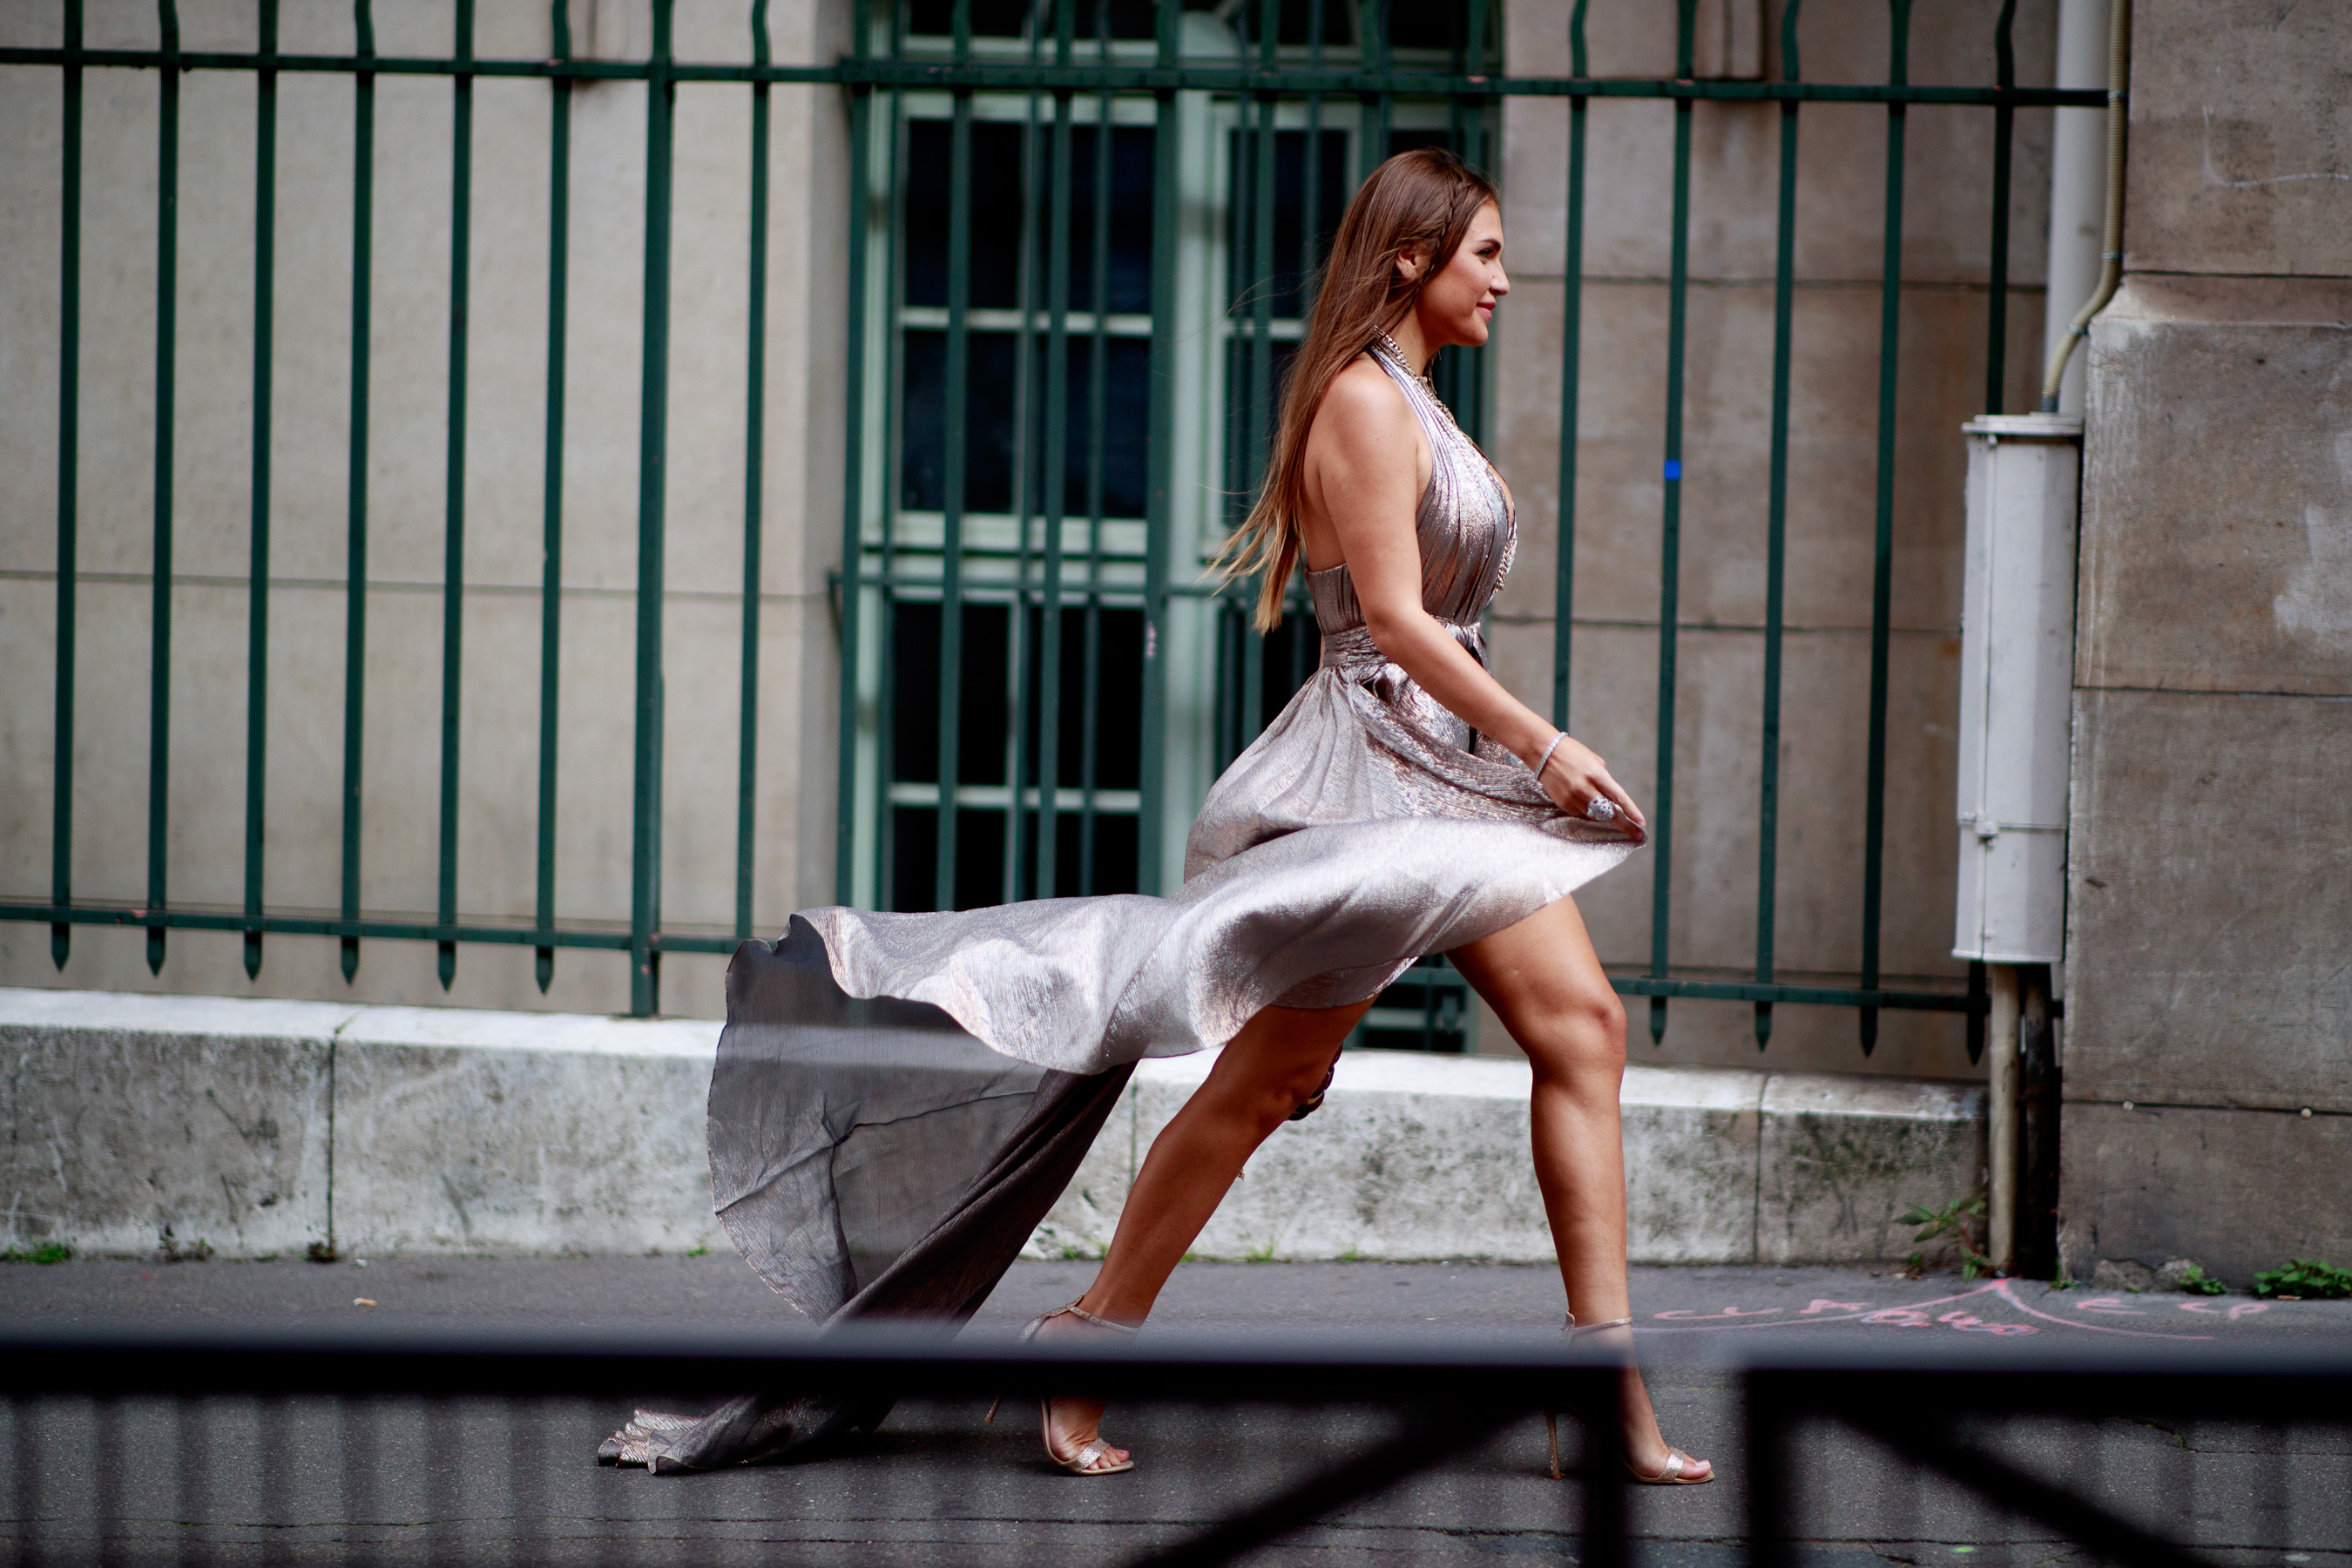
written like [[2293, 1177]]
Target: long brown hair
[[1419, 203]]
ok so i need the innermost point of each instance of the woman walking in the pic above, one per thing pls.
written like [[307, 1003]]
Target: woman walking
[[883, 1139]]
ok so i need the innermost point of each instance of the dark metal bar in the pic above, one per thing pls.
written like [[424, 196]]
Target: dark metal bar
[[853, 476], [1784, 273], [68, 477], [1882, 575], [1166, 197], [1310, 206], [167, 289], [1257, 256], [1662, 818], [1771, 1479], [1055, 477], [1007, 75], [653, 500], [956, 414], [885, 719], [355, 479], [755, 437], [1571, 379], [1097, 373], [452, 569], [2004, 125], [1022, 643], [257, 689], [551, 484]]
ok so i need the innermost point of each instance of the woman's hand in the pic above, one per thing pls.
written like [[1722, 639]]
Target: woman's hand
[[1574, 777]]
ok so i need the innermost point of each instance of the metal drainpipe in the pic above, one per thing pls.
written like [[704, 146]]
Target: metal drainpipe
[[2068, 191]]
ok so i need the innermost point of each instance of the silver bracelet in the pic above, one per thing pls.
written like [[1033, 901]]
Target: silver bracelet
[[1548, 751]]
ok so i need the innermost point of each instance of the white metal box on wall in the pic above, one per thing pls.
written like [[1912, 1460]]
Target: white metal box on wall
[[2017, 653]]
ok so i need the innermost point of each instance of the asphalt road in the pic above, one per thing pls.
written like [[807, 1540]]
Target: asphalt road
[[234, 1480]]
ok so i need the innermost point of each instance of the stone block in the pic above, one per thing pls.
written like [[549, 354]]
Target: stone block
[[2217, 490], [517, 1132], [137, 1125], [2240, 139], [2209, 901], [1420, 1157], [2240, 1190], [1840, 1158]]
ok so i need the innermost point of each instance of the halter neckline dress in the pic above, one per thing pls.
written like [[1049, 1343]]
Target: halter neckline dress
[[898, 1099]]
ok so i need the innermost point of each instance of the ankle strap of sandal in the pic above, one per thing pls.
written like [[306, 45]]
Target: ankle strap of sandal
[[1075, 1310], [1573, 1328]]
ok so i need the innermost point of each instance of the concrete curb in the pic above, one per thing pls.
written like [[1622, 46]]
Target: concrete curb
[[137, 1125]]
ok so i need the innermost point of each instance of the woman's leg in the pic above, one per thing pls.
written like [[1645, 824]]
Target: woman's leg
[[1272, 1067], [1543, 979]]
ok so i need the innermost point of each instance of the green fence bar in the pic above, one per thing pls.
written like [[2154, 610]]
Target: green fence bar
[[957, 392], [551, 481], [2005, 126], [1882, 575], [1021, 764], [755, 439], [355, 479], [68, 477], [886, 722], [1055, 477], [1159, 461], [257, 698], [853, 475], [653, 500], [167, 334], [1572, 377], [1784, 276], [453, 506], [1662, 815], [1097, 430]]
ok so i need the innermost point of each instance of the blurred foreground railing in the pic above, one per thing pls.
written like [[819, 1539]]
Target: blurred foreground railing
[[404, 1444]]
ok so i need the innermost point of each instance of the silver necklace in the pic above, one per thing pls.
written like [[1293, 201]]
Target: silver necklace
[[1389, 344]]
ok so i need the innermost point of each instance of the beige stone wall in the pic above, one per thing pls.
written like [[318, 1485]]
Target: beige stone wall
[[2208, 1044], [506, 361], [1832, 490]]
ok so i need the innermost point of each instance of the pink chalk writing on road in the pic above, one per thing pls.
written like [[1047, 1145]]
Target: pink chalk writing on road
[[1918, 1315]]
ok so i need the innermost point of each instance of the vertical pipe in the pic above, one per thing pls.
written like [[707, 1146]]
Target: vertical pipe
[[957, 392], [256, 666], [852, 476], [653, 495], [1090, 697], [1057, 474], [1784, 272], [1882, 579], [755, 436], [356, 466], [167, 289], [1662, 824], [453, 567], [1571, 353], [550, 483], [1159, 524], [2001, 1130], [2004, 117], [68, 481]]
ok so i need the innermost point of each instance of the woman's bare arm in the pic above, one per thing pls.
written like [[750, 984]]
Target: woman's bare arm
[[1363, 490]]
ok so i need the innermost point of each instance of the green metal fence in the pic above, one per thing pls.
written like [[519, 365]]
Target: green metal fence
[[1022, 652]]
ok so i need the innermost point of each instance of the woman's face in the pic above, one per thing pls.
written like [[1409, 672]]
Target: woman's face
[[1459, 302]]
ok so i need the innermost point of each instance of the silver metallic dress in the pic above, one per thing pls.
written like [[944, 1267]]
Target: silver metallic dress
[[900, 1098]]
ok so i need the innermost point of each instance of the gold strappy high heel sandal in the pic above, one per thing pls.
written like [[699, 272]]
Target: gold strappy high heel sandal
[[1093, 1457], [1676, 1460]]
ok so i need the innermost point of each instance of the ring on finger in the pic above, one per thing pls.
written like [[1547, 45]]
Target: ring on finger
[[1599, 808]]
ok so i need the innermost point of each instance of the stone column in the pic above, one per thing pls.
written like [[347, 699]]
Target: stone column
[[2208, 1013]]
